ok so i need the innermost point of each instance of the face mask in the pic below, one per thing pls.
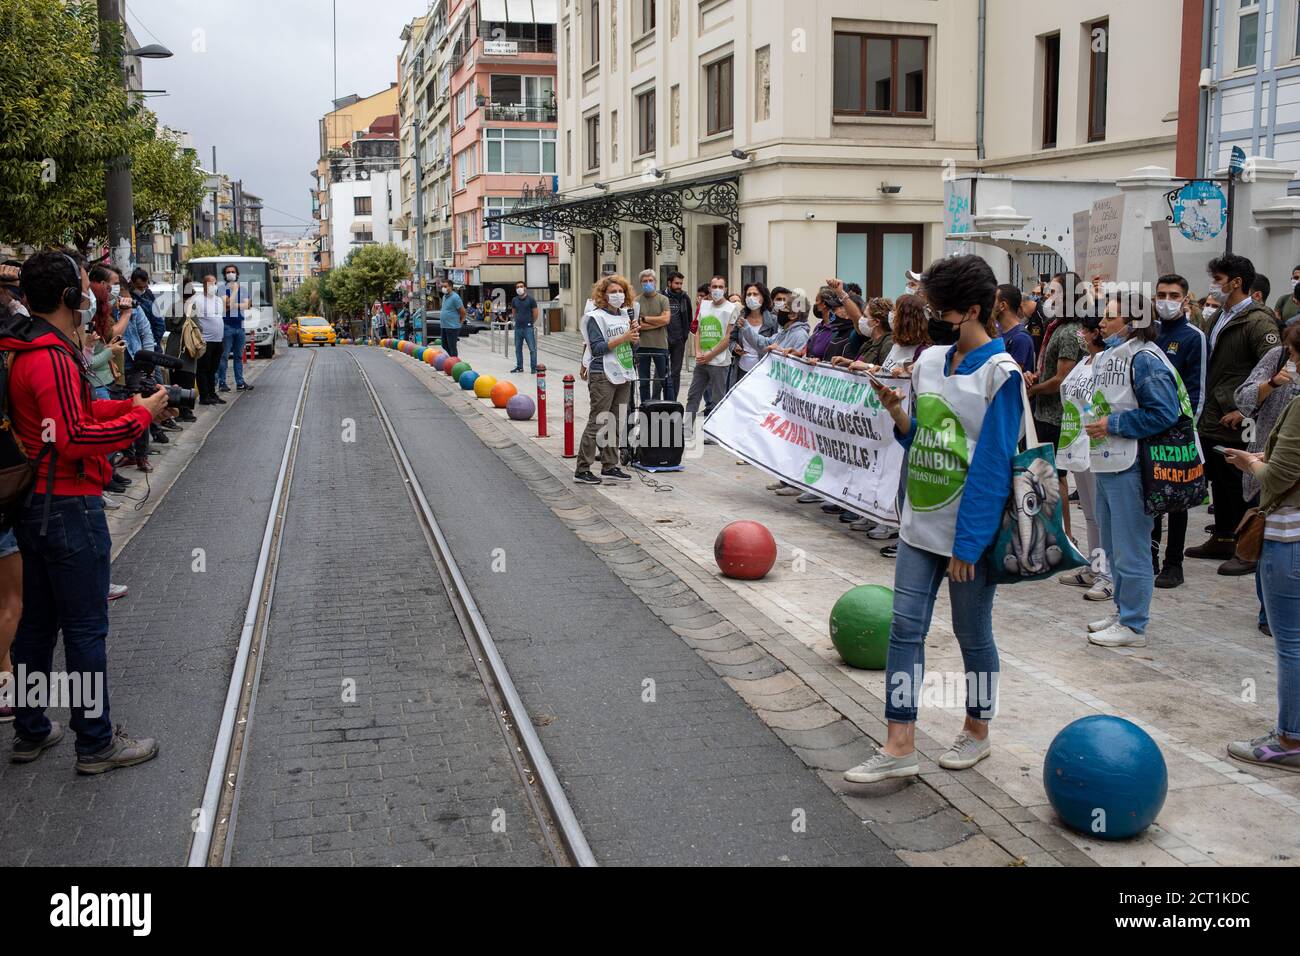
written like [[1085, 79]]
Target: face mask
[[520, 292], [231, 277], [1168, 309], [1049, 308], [753, 303], [116, 291], [615, 299], [778, 305], [891, 320], [89, 313], [1210, 312], [1295, 288], [1114, 340], [941, 332], [717, 294], [1216, 290], [647, 287], [864, 326]]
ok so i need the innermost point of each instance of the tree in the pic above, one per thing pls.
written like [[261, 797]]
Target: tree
[[66, 117], [225, 244], [369, 273], [63, 115]]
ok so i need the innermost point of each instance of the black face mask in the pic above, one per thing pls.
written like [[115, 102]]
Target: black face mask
[[943, 333]]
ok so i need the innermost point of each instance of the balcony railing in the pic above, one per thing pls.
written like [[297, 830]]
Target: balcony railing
[[522, 111], [525, 45]]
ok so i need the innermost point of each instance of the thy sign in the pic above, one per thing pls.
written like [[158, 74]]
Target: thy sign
[[497, 250]]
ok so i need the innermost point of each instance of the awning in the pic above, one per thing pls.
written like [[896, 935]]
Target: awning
[[362, 224], [518, 11], [655, 207]]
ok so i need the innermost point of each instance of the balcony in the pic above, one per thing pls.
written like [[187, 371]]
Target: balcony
[[494, 48], [521, 111]]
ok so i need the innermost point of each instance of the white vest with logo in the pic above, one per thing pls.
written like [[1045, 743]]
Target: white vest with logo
[[618, 362], [950, 413], [1072, 451], [1114, 393], [715, 325]]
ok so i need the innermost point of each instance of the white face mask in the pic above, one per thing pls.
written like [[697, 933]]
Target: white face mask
[[864, 326], [753, 302], [1049, 308], [1216, 290], [1168, 309], [89, 313], [520, 292], [717, 294], [116, 290], [1210, 312], [779, 305], [615, 299]]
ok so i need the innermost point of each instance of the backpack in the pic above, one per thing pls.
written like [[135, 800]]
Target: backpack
[[192, 339], [17, 467]]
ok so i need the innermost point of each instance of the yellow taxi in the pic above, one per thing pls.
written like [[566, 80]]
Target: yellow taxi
[[311, 330]]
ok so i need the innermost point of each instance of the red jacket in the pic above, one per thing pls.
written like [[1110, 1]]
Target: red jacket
[[48, 387]]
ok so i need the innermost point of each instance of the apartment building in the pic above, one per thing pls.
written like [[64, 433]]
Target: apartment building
[[365, 190], [481, 82], [337, 128], [293, 258]]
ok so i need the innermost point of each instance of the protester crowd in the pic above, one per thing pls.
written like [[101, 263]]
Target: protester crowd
[[1096, 371], [97, 374]]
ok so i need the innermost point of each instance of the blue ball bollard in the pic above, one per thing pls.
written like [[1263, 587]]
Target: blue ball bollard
[[1105, 777]]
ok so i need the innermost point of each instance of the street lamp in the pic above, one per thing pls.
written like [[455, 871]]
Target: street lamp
[[154, 51]]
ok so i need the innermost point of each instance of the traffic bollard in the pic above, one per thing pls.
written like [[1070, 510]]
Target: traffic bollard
[[541, 401], [568, 417]]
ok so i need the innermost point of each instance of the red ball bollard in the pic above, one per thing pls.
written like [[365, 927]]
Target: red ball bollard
[[568, 417], [541, 401]]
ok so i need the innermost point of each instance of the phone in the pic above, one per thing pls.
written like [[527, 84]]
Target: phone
[[1221, 449], [874, 380]]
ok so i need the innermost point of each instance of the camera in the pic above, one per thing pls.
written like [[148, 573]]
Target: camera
[[177, 397]]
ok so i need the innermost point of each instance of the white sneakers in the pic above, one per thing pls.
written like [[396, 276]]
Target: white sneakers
[[1103, 589], [1117, 635], [1104, 623], [965, 752]]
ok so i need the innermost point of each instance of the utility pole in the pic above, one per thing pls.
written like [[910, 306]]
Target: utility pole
[[419, 228], [121, 212], [216, 197], [237, 189]]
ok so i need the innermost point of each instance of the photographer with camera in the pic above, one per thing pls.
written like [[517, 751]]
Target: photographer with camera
[[61, 529]]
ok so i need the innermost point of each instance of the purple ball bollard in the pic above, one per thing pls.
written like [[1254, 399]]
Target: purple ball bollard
[[520, 408]]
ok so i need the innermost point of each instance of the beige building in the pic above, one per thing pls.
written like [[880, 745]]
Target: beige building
[[293, 259], [792, 141]]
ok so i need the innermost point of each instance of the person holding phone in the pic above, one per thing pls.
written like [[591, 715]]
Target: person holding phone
[[960, 443], [1277, 470]]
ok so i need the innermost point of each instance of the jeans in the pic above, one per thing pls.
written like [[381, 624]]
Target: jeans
[[1279, 573], [65, 588], [676, 355], [917, 575], [449, 337], [1126, 539], [659, 358], [526, 334], [232, 343]]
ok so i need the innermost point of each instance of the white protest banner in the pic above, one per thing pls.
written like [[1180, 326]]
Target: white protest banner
[[818, 428]]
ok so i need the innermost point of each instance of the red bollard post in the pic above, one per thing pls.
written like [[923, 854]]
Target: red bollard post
[[568, 417], [541, 401]]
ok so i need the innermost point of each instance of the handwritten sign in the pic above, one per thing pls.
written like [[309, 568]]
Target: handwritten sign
[[1105, 227], [1164, 247], [1081, 240]]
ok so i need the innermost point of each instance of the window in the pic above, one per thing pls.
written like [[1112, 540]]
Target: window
[[593, 142], [462, 110], [505, 231], [1247, 33], [717, 96], [645, 123], [880, 76], [462, 231], [462, 168], [593, 32], [647, 15], [361, 205], [1051, 87], [1295, 18], [522, 98], [517, 150], [1099, 40], [363, 237]]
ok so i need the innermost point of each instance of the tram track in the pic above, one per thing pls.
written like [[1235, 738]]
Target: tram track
[[216, 820]]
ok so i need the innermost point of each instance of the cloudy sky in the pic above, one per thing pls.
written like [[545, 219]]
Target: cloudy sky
[[253, 77]]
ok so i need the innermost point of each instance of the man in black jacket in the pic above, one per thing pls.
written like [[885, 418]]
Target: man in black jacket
[[680, 311]]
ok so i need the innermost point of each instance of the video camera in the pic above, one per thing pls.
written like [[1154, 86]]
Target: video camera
[[146, 361]]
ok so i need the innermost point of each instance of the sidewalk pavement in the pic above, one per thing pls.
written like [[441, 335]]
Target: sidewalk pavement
[[1207, 677]]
